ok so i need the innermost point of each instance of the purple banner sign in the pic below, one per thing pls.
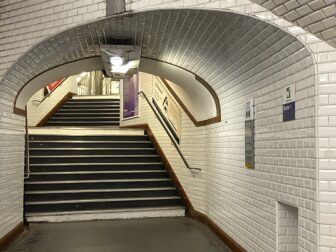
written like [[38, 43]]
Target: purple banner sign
[[130, 96]]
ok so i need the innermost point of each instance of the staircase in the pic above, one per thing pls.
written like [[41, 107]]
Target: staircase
[[94, 173], [85, 111]]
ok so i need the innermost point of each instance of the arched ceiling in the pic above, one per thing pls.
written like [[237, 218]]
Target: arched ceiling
[[317, 17], [214, 45]]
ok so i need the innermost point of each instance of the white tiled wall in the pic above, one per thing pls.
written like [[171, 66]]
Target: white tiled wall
[[316, 182], [295, 162], [22, 24], [36, 111]]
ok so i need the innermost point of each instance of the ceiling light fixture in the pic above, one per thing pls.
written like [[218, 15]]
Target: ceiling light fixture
[[116, 61], [83, 74]]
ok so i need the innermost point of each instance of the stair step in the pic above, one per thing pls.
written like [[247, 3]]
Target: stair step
[[90, 144], [76, 124], [52, 206], [88, 111], [100, 190], [94, 159], [92, 120], [86, 138], [86, 115], [49, 202], [93, 102], [99, 194], [79, 176], [94, 184], [91, 151], [91, 106], [94, 97], [98, 118], [97, 212], [96, 167]]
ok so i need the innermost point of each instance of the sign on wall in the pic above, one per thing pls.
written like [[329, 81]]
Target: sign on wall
[[249, 134], [52, 86], [130, 96], [168, 108], [288, 107]]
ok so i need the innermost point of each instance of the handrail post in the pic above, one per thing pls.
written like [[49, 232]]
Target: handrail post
[[27, 149], [168, 133]]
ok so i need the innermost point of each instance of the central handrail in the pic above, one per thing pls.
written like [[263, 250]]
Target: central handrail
[[168, 132], [27, 172]]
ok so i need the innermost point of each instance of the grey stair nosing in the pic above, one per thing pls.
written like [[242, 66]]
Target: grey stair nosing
[[87, 141], [93, 101], [70, 149], [103, 190], [80, 117], [116, 113], [96, 172], [78, 122], [88, 109], [90, 164], [93, 181], [138, 209], [96, 156], [28, 203]]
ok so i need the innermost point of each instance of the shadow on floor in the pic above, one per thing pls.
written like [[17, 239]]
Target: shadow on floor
[[140, 235]]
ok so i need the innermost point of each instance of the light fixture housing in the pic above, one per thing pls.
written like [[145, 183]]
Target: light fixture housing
[[116, 61], [83, 74]]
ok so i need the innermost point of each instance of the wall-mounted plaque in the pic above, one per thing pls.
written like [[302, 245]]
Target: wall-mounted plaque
[[288, 107], [249, 144]]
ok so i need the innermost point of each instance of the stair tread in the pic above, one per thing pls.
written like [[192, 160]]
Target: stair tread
[[102, 190], [96, 181], [177, 207], [100, 200], [90, 164]]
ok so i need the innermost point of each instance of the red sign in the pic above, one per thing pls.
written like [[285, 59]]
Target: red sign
[[52, 86]]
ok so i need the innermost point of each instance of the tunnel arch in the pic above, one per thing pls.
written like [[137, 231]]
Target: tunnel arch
[[190, 55], [179, 37]]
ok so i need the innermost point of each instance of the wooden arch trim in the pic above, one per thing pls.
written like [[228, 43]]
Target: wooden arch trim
[[209, 121], [199, 79]]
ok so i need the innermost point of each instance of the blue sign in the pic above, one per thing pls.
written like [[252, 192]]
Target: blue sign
[[289, 111]]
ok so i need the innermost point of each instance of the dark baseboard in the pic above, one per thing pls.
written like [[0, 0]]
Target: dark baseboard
[[11, 236], [19, 112], [232, 244], [45, 119], [167, 165]]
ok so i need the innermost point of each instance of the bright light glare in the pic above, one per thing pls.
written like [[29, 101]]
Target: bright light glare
[[116, 61], [78, 79], [83, 74], [124, 68]]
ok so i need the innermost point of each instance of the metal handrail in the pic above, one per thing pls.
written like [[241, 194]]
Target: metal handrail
[[45, 97], [27, 172], [168, 132]]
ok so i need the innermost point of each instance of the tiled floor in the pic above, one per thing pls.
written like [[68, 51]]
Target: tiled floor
[[142, 235]]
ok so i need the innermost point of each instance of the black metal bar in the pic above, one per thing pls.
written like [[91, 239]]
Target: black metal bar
[[27, 170], [168, 132]]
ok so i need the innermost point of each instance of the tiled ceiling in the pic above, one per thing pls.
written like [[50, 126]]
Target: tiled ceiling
[[315, 16], [217, 46]]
